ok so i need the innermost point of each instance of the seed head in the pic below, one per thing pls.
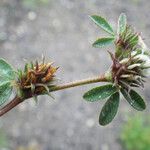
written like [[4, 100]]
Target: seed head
[[36, 78]]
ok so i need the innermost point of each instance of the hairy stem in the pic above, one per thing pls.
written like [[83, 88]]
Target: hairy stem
[[17, 100], [79, 83]]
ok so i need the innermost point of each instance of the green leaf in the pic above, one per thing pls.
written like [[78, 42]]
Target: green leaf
[[122, 23], [109, 110], [103, 42], [5, 92], [134, 99], [4, 80], [6, 71], [7, 74], [100, 93], [101, 22]]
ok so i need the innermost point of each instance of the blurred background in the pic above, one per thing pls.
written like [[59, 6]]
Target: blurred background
[[62, 31]]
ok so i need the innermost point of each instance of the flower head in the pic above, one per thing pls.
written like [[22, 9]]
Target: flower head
[[131, 61], [36, 78]]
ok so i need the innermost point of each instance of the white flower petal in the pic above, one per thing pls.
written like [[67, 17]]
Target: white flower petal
[[133, 66], [146, 64], [133, 53], [137, 77], [125, 76], [124, 61], [142, 57]]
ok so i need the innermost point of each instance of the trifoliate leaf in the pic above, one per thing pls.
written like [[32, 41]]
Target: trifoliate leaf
[[6, 71], [103, 42], [101, 22], [5, 92], [122, 23], [134, 99], [100, 93], [109, 110]]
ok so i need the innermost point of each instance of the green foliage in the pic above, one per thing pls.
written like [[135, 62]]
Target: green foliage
[[6, 71], [125, 34], [7, 75], [103, 42], [122, 23], [109, 110], [134, 99], [135, 134], [100, 93], [102, 23], [5, 92]]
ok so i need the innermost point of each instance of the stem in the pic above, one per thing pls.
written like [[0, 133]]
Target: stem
[[17, 100], [79, 83]]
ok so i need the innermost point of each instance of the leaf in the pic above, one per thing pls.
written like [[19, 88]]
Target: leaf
[[7, 74], [101, 22], [134, 99], [109, 110], [100, 93], [5, 92], [4, 80], [103, 42], [6, 71], [122, 23]]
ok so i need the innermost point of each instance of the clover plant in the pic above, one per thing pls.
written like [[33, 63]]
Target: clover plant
[[129, 70]]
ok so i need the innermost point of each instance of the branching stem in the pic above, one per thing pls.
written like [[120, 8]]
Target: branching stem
[[17, 100]]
